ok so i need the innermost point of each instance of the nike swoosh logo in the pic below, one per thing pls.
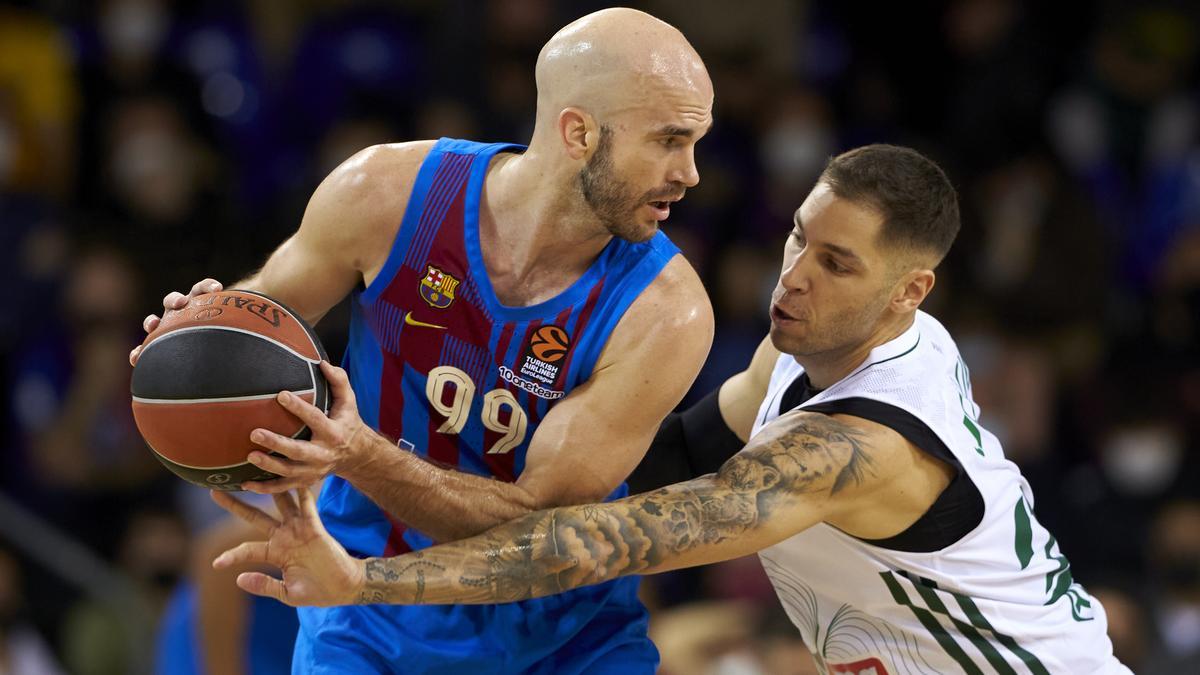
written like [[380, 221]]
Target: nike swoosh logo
[[413, 322]]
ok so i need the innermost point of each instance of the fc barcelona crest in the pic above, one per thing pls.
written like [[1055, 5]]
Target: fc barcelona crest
[[437, 288]]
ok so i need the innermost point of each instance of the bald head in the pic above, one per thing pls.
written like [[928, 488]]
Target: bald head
[[614, 59]]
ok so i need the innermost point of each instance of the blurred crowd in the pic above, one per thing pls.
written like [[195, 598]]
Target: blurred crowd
[[146, 144]]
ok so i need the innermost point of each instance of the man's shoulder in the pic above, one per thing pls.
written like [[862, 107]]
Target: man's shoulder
[[671, 316], [676, 297], [388, 167], [677, 282], [373, 184]]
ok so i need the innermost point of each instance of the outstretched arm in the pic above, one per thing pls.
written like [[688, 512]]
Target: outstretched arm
[[800, 470], [667, 330]]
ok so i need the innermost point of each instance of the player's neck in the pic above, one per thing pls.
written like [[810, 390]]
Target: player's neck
[[533, 225], [535, 243], [827, 368]]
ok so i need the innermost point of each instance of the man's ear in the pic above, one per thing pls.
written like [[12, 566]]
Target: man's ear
[[579, 133], [912, 289]]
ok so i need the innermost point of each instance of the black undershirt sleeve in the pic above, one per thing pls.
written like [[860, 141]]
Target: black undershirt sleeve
[[689, 444]]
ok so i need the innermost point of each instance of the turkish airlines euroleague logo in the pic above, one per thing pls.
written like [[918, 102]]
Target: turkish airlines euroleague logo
[[548, 347], [549, 344]]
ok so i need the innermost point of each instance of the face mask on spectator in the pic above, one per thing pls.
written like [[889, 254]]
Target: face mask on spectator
[[133, 29], [1142, 461]]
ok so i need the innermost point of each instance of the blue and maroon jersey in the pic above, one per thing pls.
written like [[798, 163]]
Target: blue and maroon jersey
[[438, 363]]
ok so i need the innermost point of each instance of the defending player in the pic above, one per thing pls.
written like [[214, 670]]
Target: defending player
[[897, 536], [510, 306]]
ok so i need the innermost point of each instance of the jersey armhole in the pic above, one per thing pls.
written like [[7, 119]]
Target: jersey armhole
[[408, 224], [957, 510]]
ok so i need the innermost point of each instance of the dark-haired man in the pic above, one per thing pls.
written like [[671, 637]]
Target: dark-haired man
[[898, 537]]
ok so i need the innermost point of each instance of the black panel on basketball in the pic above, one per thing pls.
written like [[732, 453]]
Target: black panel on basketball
[[218, 363], [208, 375], [227, 479], [321, 397]]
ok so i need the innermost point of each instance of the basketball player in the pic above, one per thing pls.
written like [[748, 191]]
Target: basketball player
[[513, 305], [896, 534]]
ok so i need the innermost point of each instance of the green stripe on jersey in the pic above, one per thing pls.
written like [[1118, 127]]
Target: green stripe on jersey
[[1024, 537], [932, 625], [981, 643], [928, 587], [972, 611]]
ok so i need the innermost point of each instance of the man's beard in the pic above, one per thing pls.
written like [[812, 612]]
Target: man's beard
[[611, 199], [843, 331]]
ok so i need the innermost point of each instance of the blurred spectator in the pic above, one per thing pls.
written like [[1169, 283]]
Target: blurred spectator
[[797, 139], [38, 105], [78, 445], [22, 650], [730, 638], [745, 277], [448, 117], [1128, 628], [1174, 564], [1003, 65], [211, 626], [122, 56], [79, 459], [1128, 131], [1013, 383], [705, 638], [34, 249], [101, 640], [164, 198], [355, 60]]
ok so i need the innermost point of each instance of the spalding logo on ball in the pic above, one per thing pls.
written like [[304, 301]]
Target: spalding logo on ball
[[208, 376]]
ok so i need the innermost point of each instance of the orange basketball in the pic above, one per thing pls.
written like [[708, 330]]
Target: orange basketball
[[208, 376], [549, 343]]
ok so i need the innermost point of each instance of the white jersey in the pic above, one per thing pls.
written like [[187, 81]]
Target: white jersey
[[999, 600]]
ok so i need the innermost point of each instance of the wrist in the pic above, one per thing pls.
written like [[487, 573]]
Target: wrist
[[374, 579], [359, 593], [357, 453]]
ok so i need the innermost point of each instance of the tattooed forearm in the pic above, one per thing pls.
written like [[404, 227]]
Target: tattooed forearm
[[815, 449], [807, 456]]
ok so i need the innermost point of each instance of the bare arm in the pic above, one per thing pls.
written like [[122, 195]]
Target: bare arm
[[222, 613], [345, 234], [802, 469], [776, 487], [639, 377], [741, 395]]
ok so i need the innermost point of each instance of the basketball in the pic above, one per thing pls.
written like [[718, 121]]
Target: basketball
[[208, 376]]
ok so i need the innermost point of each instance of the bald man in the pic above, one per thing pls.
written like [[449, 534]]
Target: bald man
[[520, 328]]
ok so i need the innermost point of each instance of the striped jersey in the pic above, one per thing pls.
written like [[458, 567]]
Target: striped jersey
[[440, 365], [999, 600]]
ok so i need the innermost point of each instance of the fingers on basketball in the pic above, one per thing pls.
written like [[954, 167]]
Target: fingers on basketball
[[308, 413], [205, 286], [339, 387]]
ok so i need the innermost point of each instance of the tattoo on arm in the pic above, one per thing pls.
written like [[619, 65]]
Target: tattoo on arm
[[558, 549]]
